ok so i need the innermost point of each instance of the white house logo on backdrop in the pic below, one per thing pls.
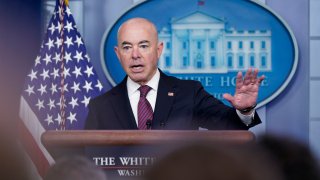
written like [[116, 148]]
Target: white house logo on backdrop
[[211, 41], [199, 43]]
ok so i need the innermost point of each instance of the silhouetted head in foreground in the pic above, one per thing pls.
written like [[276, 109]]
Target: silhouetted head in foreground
[[218, 162], [75, 168], [294, 158]]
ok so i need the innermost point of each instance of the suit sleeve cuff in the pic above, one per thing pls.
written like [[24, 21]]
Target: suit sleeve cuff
[[246, 119]]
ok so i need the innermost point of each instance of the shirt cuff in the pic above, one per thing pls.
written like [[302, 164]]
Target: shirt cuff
[[246, 119]]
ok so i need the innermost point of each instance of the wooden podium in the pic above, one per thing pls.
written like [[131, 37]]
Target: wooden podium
[[58, 142]]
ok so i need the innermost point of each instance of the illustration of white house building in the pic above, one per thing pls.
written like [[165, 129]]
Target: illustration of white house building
[[200, 43]]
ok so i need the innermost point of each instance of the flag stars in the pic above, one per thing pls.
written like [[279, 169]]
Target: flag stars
[[62, 104], [78, 56], [50, 43], [56, 76], [52, 28], [99, 85], [74, 102], [78, 41], [66, 72], [37, 60], [47, 59], [45, 74], [40, 104], [68, 41], [33, 75], [88, 86], [68, 11], [77, 71], [86, 100], [59, 27], [55, 73], [58, 42], [51, 104], [65, 88], [58, 119], [42, 89], [89, 71], [87, 56], [59, 12], [72, 117], [30, 90], [67, 57], [56, 58], [75, 87], [54, 15], [53, 88], [49, 119], [68, 26]]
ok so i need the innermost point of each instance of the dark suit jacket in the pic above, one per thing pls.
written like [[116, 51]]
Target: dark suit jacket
[[190, 107]]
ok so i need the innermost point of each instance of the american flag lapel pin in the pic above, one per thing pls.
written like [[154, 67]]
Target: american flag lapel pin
[[170, 94]]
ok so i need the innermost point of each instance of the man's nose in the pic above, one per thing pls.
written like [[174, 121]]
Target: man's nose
[[135, 52]]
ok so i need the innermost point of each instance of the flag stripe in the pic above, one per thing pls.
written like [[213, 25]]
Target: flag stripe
[[35, 129], [34, 152]]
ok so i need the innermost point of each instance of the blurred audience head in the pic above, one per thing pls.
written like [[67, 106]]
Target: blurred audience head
[[218, 162], [14, 163], [294, 158], [75, 168]]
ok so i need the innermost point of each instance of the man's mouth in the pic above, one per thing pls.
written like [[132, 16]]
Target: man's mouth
[[137, 68]]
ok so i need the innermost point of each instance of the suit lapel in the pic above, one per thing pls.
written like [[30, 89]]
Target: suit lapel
[[164, 102], [122, 106]]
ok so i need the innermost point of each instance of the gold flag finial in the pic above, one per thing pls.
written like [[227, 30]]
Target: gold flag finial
[[66, 2]]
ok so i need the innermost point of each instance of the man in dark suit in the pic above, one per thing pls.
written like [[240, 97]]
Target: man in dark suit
[[149, 99]]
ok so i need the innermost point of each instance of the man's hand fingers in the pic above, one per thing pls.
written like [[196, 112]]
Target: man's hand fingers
[[228, 97], [254, 76], [239, 80], [255, 73], [247, 77], [261, 78]]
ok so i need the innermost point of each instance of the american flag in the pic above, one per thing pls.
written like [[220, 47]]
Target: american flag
[[58, 88]]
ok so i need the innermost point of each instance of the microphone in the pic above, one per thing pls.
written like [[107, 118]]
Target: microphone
[[148, 123], [162, 124]]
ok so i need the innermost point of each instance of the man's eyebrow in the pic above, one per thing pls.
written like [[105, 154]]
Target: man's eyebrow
[[144, 41], [125, 43], [128, 43]]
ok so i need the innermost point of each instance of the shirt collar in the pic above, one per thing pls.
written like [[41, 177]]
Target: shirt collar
[[132, 86]]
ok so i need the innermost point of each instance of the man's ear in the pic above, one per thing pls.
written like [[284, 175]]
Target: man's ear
[[159, 49], [116, 50]]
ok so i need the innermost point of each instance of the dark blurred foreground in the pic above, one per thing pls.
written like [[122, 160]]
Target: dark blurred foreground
[[271, 157]]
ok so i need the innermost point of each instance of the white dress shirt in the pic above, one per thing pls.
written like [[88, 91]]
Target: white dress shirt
[[134, 93], [134, 96]]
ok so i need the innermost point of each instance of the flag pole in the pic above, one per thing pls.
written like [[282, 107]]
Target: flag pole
[[62, 67]]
